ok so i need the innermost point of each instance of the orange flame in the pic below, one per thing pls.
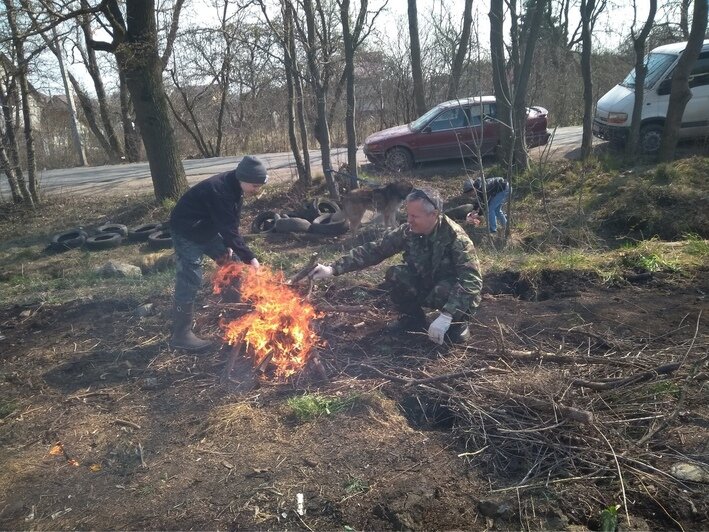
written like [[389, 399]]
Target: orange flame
[[279, 326]]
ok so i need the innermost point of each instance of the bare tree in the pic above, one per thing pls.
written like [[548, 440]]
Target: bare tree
[[416, 71], [134, 44], [461, 51], [18, 42], [639, 40], [680, 92]]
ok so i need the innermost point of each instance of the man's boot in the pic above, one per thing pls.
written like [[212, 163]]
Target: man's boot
[[458, 332], [182, 335]]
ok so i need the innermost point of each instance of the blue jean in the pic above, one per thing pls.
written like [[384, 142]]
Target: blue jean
[[495, 209], [189, 255]]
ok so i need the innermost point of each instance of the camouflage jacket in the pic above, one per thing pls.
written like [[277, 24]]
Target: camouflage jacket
[[446, 254]]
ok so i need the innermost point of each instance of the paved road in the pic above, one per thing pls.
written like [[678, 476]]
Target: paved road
[[136, 176]]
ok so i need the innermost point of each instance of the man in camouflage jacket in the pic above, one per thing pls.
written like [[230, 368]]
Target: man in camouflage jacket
[[440, 269]]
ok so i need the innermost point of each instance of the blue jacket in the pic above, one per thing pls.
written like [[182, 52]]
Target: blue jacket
[[212, 207]]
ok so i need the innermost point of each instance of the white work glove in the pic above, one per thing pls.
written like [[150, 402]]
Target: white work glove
[[321, 272], [439, 326], [254, 264]]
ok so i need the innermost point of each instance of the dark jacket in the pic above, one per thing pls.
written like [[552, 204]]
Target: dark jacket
[[212, 207], [494, 186]]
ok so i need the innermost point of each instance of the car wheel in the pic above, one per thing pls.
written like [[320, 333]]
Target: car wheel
[[399, 159], [140, 233], [68, 240], [650, 139], [325, 225], [113, 228], [264, 222], [324, 206], [104, 241], [160, 239], [291, 225]]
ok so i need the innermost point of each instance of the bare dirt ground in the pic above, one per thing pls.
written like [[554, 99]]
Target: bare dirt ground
[[112, 429]]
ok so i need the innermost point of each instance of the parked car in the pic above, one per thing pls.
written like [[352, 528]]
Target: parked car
[[452, 129], [614, 111]]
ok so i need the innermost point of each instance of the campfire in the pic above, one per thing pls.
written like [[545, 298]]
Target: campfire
[[275, 339]]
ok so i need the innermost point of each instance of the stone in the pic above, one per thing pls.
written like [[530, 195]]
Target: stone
[[119, 269], [143, 310], [690, 472], [494, 508]]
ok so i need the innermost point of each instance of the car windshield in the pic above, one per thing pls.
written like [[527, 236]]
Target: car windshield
[[421, 121], [656, 66]]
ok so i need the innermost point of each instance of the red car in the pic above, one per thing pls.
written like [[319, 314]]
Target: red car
[[452, 129]]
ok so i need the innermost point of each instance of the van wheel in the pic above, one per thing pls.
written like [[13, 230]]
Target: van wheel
[[650, 139], [399, 159]]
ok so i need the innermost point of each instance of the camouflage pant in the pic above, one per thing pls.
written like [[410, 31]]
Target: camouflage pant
[[409, 292], [189, 255]]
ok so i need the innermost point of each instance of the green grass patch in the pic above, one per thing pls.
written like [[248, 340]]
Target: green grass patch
[[355, 486], [309, 406]]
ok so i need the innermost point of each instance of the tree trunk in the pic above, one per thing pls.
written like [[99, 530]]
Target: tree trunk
[[139, 60], [11, 178], [131, 137], [461, 52], [319, 84], [587, 137], [416, 72], [499, 78], [349, 43], [21, 76], [681, 93], [290, 72], [631, 147], [101, 99], [8, 97], [76, 136], [529, 42]]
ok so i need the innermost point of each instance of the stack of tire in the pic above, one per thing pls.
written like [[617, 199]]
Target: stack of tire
[[109, 236], [319, 216]]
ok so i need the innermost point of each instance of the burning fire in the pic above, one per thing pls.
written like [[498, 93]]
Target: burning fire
[[277, 332]]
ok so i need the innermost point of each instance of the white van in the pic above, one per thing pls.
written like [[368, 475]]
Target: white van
[[614, 110]]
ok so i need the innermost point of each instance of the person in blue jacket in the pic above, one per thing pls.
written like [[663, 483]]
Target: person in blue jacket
[[205, 221]]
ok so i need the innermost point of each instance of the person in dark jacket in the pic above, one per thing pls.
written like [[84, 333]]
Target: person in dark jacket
[[205, 221], [440, 269], [498, 190]]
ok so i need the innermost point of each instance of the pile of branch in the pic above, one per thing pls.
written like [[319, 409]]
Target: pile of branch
[[536, 418]]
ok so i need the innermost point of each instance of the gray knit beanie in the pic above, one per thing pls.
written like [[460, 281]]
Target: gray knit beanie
[[251, 170]]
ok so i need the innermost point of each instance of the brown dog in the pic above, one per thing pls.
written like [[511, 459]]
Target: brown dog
[[384, 200]]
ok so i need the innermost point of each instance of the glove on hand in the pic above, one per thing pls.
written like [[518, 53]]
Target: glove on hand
[[321, 272], [438, 327]]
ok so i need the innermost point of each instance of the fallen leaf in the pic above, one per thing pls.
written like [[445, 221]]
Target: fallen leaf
[[57, 450], [95, 467], [72, 462]]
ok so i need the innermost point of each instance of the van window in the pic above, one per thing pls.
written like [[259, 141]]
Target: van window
[[656, 65], [700, 72]]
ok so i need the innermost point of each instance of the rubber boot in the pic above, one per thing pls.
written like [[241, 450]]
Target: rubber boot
[[182, 335]]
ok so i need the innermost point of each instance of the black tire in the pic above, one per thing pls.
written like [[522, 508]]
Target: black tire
[[264, 222], [308, 212], [291, 225], [66, 240], [325, 206], [324, 225], [399, 159], [161, 239], [113, 228], [140, 233], [650, 139], [104, 241]]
